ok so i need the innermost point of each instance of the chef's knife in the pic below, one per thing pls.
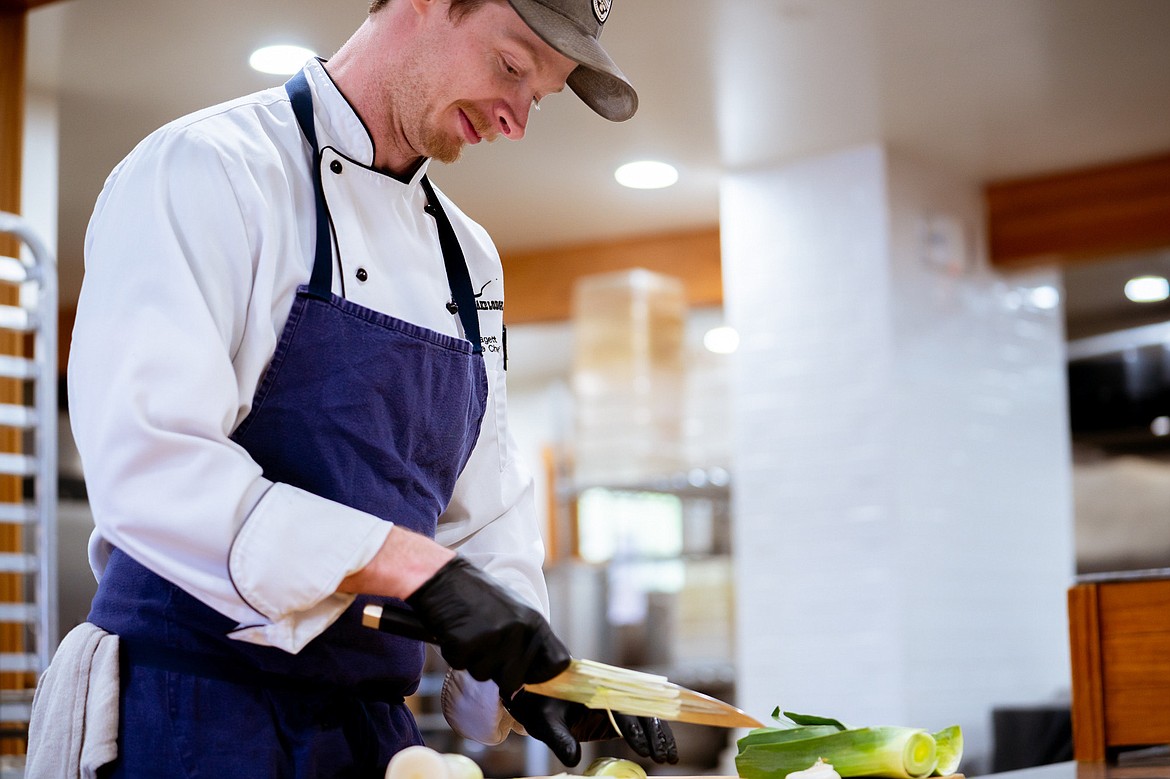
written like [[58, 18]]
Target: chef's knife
[[590, 683]]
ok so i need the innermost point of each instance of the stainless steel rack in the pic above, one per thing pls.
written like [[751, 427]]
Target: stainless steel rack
[[30, 620]]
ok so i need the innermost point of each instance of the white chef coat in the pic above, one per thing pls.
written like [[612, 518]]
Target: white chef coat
[[196, 247]]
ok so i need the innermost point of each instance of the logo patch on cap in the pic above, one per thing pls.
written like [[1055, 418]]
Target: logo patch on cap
[[601, 10]]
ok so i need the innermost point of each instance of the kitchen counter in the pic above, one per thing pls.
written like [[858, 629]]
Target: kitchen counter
[[1153, 764], [1149, 763]]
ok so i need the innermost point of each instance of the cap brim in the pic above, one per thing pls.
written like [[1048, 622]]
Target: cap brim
[[597, 80]]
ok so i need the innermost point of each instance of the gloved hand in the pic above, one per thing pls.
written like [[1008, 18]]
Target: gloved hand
[[563, 725], [486, 630]]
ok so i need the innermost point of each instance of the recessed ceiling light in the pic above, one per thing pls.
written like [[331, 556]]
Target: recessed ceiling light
[[646, 174], [721, 340], [280, 60], [1044, 297], [1147, 289]]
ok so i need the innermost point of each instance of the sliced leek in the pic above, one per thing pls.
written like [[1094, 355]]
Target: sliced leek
[[950, 750], [601, 686]]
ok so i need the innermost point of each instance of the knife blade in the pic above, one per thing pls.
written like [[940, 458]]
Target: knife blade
[[591, 683]]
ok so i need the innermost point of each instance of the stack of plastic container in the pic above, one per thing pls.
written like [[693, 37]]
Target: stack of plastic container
[[629, 380]]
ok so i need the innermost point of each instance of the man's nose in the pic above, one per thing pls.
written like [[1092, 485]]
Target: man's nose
[[512, 119]]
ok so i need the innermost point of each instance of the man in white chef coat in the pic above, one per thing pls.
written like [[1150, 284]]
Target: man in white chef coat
[[288, 394]]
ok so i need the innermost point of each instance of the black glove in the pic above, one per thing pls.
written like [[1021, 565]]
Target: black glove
[[486, 630], [563, 725]]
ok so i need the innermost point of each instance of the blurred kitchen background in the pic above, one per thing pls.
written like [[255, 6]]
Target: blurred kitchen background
[[831, 424]]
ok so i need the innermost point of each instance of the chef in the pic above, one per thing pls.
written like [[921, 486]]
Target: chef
[[286, 383]]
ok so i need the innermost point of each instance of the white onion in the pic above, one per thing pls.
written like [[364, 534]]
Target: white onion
[[462, 767], [417, 762]]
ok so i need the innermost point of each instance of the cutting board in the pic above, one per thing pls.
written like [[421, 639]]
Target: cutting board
[[708, 776]]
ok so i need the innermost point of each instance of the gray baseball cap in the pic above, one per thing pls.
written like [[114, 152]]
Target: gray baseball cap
[[573, 27]]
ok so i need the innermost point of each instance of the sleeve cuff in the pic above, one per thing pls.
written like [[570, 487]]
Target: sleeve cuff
[[295, 548]]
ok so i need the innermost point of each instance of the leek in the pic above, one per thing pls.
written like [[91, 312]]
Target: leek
[[899, 753], [797, 727], [949, 743], [600, 686], [808, 719], [780, 735]]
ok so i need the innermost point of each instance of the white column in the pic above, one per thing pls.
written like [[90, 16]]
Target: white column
[[903, 530], [38, 189]]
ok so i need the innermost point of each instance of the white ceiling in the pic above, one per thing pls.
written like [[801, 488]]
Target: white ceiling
[[990, 89]]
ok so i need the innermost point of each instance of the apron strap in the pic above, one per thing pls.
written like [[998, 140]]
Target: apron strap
[[458, 278], [321, 282]]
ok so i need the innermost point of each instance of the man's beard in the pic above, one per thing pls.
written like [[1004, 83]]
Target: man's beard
[[447, 147]]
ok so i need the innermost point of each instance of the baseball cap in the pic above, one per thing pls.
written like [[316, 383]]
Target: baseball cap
[[573, 27]]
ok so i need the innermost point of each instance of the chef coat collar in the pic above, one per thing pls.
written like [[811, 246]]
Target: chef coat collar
[[341, 127]]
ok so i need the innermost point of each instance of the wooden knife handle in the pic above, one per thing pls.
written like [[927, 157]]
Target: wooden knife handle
[[396, 619]]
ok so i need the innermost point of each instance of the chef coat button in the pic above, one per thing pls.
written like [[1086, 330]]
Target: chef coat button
[[335, 166], [362, 275], [452, 307]]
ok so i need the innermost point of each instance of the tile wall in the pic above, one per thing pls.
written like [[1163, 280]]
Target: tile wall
[[903, 526]]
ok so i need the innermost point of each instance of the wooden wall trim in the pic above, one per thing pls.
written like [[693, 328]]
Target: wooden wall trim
[[1088, 706], [540, 282], [12, 26], [1080, 214], [20, 6]]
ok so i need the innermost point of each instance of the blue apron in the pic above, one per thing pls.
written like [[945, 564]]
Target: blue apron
[[357, 407]]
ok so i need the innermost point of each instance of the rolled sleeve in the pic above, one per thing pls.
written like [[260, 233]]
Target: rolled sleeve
[[287, 564]]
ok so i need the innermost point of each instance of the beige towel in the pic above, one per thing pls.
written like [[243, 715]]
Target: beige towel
[[74, 727]]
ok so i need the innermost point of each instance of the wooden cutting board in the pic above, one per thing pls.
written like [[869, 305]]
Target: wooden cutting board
[[708, 776]]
